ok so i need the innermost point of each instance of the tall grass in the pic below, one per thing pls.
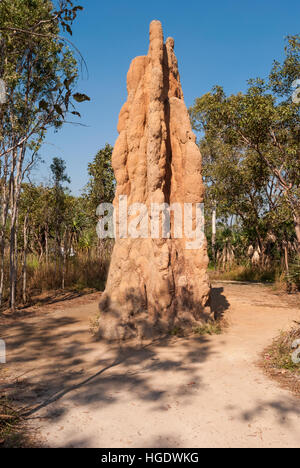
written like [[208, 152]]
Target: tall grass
[[294, 274], [86, 270], [82, 272], [246, 273], [279, 354]]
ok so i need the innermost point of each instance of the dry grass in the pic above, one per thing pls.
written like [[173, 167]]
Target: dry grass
[[14, 429], [212, 327], [279, 354], [209, 328], [277, 361], [11, 426], [244, 273], [83, 272]]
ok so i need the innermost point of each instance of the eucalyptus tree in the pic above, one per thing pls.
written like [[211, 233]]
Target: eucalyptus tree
[[40, 71], [256, 137], [59, 176], [101, 185]]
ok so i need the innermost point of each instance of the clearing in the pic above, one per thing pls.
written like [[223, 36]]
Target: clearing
[[176, 392]]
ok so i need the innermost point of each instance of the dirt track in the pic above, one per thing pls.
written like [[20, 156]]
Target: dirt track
[[191, 392]]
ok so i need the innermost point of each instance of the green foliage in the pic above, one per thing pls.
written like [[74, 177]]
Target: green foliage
[[12, 431], [176, 331], [210, 328], [250, 145], [246, 273], [39, 69], [279, 354], [101, 185], [58, 168], [62, 247], [283, 75], [293, 275], [40, 73]]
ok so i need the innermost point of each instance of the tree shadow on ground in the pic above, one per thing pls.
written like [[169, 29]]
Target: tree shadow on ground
[[136, 317], [281, 408], [219, 303], [54, 357], [130, 369], [51, 298]]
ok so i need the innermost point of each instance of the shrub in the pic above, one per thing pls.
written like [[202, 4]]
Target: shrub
[[293, 276]]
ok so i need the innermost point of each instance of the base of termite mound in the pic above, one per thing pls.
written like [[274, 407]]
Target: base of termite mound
[[119, 323]]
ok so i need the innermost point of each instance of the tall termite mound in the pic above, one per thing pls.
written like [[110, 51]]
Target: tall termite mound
[[155, 284]]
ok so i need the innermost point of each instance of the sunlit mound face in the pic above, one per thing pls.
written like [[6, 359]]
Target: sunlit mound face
[[157, 277]]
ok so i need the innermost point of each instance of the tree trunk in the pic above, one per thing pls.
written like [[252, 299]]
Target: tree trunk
[[64, 259], [2, 255], [12, 268], [213, 237], [297, 230], [2, 252], [286, 256], [4, 214], [63, 271], [46, 246], [57, 256], [16, 181], [24, 289]]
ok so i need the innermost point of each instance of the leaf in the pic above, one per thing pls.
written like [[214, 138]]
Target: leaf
[[68, 28], [43, 105], [67, 99], [76, 113], [81, 97], [69, 81], [58, 109]]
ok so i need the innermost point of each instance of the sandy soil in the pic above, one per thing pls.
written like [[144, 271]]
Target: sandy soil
[[175, 392]]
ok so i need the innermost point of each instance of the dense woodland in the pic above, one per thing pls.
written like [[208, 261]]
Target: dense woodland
[[250, 143]]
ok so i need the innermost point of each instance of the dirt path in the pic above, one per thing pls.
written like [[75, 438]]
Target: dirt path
[[195, 392]]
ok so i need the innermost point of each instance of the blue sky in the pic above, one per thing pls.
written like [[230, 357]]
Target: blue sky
[[223, 42]]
